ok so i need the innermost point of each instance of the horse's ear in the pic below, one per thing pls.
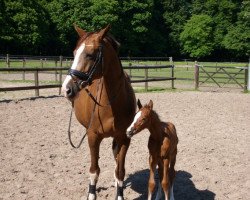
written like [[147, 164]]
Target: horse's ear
[[102, 33], [80, 31], [139, 104], [150, 104]]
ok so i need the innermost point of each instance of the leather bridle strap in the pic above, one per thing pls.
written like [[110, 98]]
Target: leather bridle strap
[[86, 77]]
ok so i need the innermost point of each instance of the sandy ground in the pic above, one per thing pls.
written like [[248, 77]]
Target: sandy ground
[[37, 161]]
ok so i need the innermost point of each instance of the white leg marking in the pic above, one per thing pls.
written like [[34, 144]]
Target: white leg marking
[[149, 196], [137, 116], [172, 192], [93, 178], [91, 197]]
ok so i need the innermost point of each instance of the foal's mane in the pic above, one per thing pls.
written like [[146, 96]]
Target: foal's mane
[[153, 113]]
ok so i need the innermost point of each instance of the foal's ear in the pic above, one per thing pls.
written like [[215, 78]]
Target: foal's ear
[[150, 104], [80, 31], [102, 33], [139, 104]]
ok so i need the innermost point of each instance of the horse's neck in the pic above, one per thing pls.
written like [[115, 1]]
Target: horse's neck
[[155, 128], [113, 75]]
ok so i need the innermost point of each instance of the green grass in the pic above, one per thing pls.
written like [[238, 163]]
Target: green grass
[[183, 70]]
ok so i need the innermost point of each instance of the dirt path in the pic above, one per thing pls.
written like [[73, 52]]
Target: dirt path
[[37, 162]]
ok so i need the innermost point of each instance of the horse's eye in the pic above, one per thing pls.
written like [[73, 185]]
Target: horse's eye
[[90, 56]]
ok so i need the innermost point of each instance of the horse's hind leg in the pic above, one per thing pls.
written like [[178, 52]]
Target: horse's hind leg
[[94, 146], [120, 148]]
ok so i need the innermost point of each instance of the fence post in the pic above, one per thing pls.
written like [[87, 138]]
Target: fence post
[[130, 70], [36, 83], [41, 63], [8, 60], [24, 64], [56, 70], [60, 75], [247, 72], [196, 75], [172, 70], [146, 78]]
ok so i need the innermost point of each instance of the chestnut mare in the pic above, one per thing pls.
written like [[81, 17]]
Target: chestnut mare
[[162, 147], [102, 98]]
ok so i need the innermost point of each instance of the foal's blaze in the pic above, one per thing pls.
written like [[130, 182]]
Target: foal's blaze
[[162, 146]]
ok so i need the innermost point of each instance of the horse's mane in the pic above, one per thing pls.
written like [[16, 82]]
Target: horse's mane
[[115, 44]]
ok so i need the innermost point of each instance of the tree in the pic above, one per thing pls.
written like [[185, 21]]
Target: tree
[[176, 13], [26, 26], [197, 36], [238, 38]]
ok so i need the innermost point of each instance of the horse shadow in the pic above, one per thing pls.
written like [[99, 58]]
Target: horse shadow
[[184, 188]]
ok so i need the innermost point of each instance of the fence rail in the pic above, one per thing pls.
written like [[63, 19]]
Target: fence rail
[[214, 74], [59, 71]]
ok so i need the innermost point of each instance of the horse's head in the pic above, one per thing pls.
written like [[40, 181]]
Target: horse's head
[[87, 63], [141, 119]]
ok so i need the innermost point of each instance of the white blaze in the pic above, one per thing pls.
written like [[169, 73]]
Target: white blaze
[[74, 65], [137, 116]]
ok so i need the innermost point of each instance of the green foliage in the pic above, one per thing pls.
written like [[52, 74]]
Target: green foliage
[[175, 16], [238, 37], [197, 36], [25, 25], [144, 28]]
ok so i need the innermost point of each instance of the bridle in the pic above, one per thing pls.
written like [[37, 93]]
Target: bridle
[[82, 79]]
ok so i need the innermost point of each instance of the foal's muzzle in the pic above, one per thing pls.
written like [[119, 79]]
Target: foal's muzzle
[[130, 132]]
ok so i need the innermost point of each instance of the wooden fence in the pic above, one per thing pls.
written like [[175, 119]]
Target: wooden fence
[[221, 76], [63, 70]]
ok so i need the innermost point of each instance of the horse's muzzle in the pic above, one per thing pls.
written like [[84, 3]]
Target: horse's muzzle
[[71, 92]]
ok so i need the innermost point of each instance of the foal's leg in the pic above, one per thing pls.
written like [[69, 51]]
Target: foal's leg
[[94, 146], [120, 148], [172, 174], [151, 181], [165, 183]]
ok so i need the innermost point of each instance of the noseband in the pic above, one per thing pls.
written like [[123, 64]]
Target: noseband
[[85, 78]]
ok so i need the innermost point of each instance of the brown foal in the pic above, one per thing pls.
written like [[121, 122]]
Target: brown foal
[[162, 147]]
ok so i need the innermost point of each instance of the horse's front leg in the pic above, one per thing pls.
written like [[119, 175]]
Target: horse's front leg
[[94, 171], [120, 148]]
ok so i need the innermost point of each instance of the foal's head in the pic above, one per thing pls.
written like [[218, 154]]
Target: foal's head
[[142, 119]]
